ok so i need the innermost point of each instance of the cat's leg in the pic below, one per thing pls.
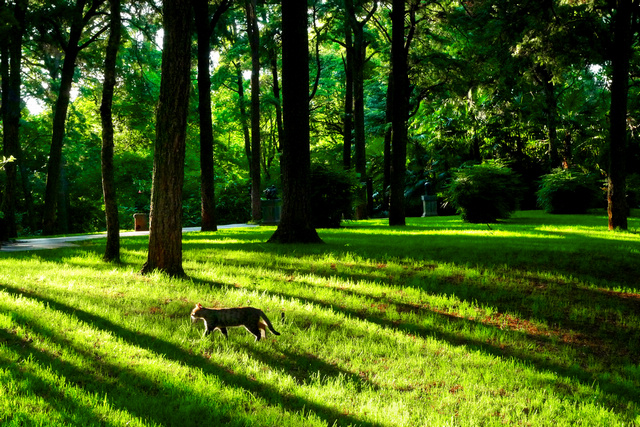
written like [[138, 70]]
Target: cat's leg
[[207, 331], [263, 329], [224, 332], [255, 330]]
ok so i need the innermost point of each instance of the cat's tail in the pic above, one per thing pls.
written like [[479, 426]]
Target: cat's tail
[[268, 323]]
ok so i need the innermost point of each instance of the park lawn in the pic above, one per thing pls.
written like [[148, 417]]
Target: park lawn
[[531, 321]]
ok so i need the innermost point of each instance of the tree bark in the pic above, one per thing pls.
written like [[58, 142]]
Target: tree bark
[[204, 27], [295, 223], [617, 208], [54, 167], [551, 111], [112, 250], [165, 231], [243, 115], [254, 43], [359, 59], [11, 85], [348, 97], [388, 132], [399, 114], [276, 95]]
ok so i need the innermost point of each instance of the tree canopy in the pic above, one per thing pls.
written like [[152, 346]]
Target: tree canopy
[[400, 93]]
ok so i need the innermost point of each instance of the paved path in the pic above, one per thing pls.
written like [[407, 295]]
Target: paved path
[[61, 242]]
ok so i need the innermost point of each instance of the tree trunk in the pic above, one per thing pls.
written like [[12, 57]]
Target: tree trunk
[[388, 132], [54, 167], [207, 189], [243, 115], [11, 85], [295, 223], [276, 95], [399, 114], [348, 98], [165, 231], [360, 158], [26, 190], [359, 59], [620, 61], [112, 250], [254, 42], [551, 111]]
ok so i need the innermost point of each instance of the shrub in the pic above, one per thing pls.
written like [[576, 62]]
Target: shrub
[[233, 201], [633, 190], [484, 192], [332, 193], [568, 191]]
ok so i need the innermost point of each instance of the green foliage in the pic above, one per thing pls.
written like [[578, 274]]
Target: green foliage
[[133, 171], [568, 191], [484, 192], [233, 201], [332, 193], [633, 190]]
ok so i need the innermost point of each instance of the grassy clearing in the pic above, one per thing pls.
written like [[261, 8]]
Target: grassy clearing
[[534, 321]]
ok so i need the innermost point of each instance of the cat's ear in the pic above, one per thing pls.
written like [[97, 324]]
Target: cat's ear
[[198, 305]]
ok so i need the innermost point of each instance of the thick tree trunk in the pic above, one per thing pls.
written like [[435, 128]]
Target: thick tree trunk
[[254, 42], [112, 250], [165, 232], [207, 190], [620, 60], [295, 223], [11, 84], [399, 114]]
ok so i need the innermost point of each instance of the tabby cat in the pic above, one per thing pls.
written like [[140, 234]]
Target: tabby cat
[[223, 318]]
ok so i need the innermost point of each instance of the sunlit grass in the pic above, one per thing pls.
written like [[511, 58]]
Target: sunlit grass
[[531, 321]]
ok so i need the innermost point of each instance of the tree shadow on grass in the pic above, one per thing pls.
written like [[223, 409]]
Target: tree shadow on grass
[[619, 391], [527, 295], [170, 351], [56, 397], [543, 251]]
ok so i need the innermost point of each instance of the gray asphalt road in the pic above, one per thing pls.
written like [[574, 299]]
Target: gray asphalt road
[[61, 242]]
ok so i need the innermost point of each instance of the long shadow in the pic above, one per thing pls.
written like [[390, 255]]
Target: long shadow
[[506, 300], [173, 352], [525, 253], [620, 390], [545, 300], [302, 367], [437, 250], [55, 397], [102, 379], [535, 253]]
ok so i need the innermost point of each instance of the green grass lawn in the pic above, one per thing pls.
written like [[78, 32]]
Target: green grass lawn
[[532, 321]]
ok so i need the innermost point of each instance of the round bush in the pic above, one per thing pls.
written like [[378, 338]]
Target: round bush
[[484, 193], [332, 193], [568, 191]]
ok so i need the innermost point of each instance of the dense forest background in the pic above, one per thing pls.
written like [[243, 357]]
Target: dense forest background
[[542, 86]]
